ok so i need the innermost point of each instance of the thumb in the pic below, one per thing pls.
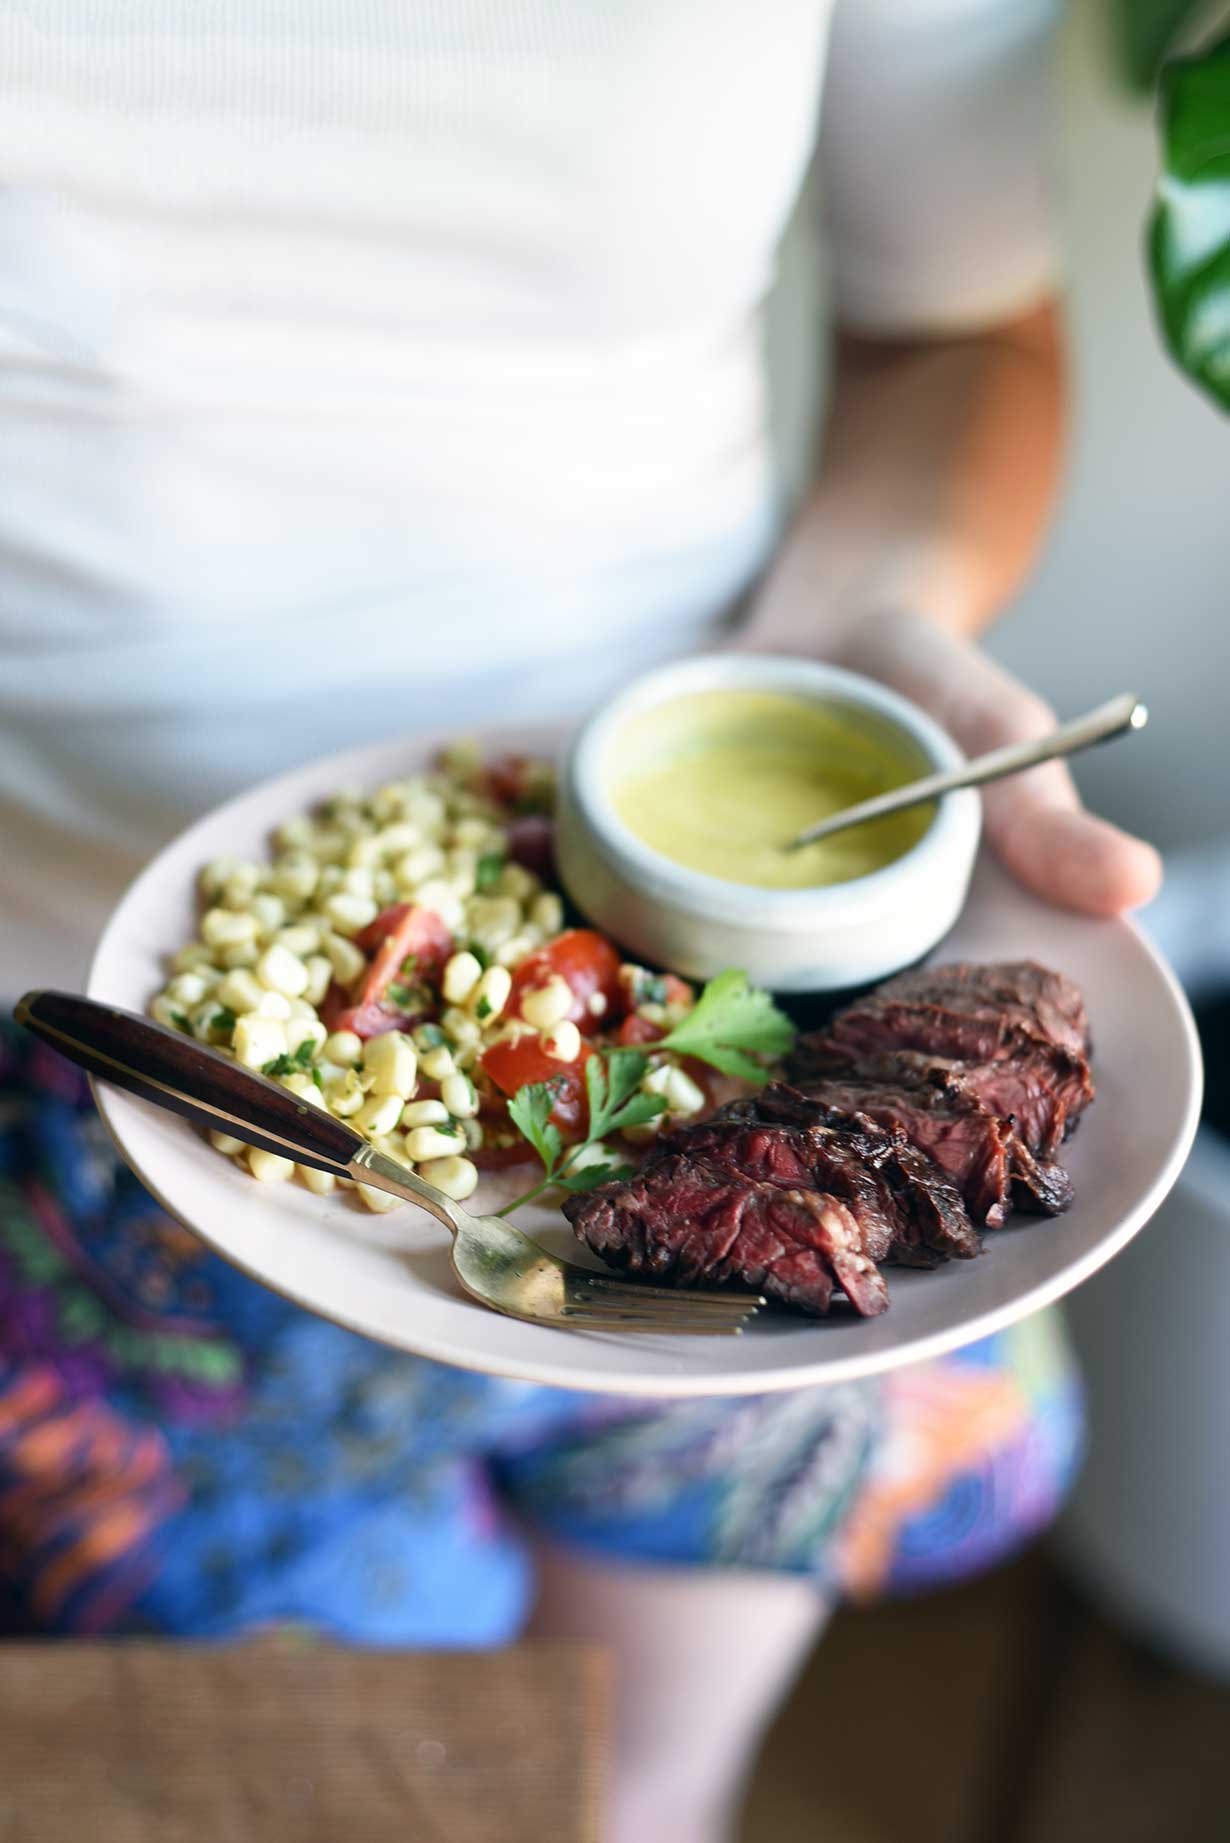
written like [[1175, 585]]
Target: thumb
[[1035, 822]]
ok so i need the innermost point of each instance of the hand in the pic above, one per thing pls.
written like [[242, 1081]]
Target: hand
[[1034, 822]]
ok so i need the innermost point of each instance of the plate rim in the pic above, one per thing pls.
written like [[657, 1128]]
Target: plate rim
[[114, 1104]]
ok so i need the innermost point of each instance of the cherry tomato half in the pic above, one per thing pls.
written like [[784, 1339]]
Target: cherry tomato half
[[385, 1000], [588, 963], [514, 1064]]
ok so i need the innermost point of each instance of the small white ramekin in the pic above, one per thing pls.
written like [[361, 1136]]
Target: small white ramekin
[[794, 940]]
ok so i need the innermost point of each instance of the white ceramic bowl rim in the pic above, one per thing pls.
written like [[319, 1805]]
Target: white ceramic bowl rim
[[946, 838]]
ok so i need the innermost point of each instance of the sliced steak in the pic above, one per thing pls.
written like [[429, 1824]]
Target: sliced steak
[[924, 1212], [1017, 1031], [939, 1113], [690, 1222]]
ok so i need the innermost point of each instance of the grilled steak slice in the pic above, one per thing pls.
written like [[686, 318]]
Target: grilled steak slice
[[906, 1207], [1038, 1187], [939, 1113], [1018, 1031], [686, 1220]]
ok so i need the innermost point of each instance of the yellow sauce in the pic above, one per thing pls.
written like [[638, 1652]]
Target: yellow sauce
[[720, 780]]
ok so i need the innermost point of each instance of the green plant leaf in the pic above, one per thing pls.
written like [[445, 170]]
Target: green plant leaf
[[530, 1111], [1145, 30], [731, 1025], [1189, 235]]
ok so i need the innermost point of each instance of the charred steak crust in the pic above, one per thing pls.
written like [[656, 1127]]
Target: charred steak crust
[[1016, 1034], [939, 1113], [692, 1222], [933, 1223]]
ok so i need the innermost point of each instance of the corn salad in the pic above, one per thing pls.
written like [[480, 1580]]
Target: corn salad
[[398, 963]]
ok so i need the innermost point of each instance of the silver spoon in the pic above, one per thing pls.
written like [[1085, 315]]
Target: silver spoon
[[1116, 718]]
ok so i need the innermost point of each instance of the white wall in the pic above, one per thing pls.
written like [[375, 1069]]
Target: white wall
[[1133, 592]]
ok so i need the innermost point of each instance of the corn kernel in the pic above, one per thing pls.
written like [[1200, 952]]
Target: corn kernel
[[189, 988], [345, 958], [417, 864], [563, 1043], [258, 1040], [427, 1142], [345, 1047], [240, 991], [437, 1062], [241, 886], [379, 1114], [380, 1202], [518, 882], [302, 938], [301, 1030], [320, 977], [282, 971], [269, 1167], [461, 974], [349, 914], [225, 1143], [391, 1062], [193, 958], [274, 1004], [424, 1113], [164, 1010], [490, 995], [683, 1095], [321, 1183], [270, 912], [225, 928], [547, 1005], [345, 1095], [295, 876], [547, 912], [456, 1177], [239, 953], [460, 1096]]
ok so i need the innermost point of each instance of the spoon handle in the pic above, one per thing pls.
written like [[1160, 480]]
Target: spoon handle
[[1101, 725]]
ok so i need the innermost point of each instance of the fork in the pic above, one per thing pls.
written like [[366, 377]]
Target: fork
[[497, 1264]]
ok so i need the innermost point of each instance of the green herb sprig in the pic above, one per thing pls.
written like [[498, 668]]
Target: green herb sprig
[[734, 1027]]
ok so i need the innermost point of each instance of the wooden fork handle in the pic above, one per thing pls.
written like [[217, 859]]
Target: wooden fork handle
[[176, 1072]]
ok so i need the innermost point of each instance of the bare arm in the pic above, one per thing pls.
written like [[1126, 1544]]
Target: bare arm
[[938, 469]]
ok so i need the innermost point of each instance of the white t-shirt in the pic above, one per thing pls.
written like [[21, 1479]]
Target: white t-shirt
[[371, 363]]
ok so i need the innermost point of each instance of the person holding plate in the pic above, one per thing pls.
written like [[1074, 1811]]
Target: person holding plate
[[361, 375]]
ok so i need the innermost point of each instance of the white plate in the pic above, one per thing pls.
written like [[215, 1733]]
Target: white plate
[[389, 1276]]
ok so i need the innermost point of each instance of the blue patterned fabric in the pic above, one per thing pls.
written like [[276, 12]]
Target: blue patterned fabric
[[182, 1451]]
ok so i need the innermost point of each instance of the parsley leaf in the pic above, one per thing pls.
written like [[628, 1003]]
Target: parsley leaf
[[281, 1065], [487, 871], [480, 953], [731, 1025], [615, 1100], [530, 1110], [224, 1019], [303, 1055], [181, 1020]]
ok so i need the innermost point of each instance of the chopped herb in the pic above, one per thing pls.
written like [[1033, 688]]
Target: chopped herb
[[410, 965], [182, 1020], [733, 1026], [224, 1019], [480, 953], [487, 871], [316, 1076], [482, 1010], [281, 1065], [402, 995], [304, 1053], [430, 1036]]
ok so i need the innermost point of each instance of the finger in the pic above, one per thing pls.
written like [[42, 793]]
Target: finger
[[1034, 822], [1041, 833]]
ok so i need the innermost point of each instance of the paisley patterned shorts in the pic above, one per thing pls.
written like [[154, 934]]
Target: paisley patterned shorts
[[183, 1452]]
